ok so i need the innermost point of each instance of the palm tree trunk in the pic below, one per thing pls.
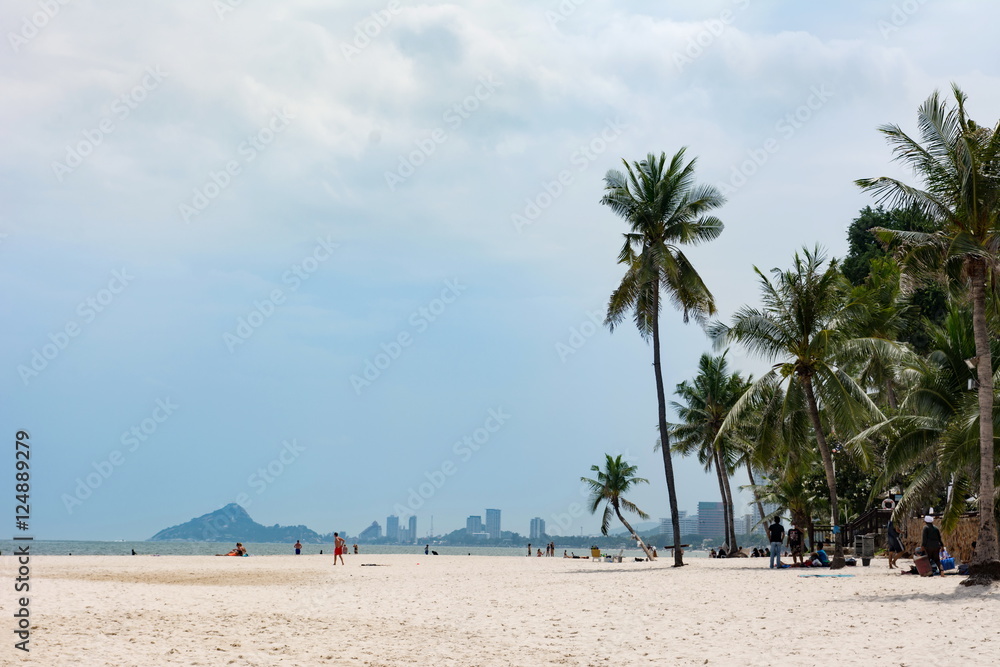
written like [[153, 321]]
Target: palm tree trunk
[[635, 536], [831, 480], [756, 498], [733, 547], [890, 394], [985, 566], [725, 506], [661, 404]]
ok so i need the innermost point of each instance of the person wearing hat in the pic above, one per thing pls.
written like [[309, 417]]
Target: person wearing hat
[[931, 541]]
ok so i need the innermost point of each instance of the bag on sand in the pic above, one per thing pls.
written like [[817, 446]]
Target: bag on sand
[[948, 563]]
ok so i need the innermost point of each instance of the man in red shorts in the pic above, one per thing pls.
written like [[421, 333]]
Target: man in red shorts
[[338, 548]]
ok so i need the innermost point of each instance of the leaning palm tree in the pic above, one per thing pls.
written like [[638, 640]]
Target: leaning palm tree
[[610, 487], [705, 402], [959, 164], [797, 327], [664, 209]]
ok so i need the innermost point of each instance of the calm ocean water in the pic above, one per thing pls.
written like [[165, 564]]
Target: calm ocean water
[[62, 548]]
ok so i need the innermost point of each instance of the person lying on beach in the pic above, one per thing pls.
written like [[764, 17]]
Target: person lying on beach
[[238, 551]]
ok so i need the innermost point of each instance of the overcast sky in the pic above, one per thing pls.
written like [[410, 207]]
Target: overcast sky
[[309, 256]]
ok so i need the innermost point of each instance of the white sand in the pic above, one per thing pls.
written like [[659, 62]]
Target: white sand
[[454, 610]]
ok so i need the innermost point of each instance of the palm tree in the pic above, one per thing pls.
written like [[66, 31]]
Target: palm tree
[[664, 209], [959, 164], [933, 443], [798, 326], [610, 487], [706, 401]]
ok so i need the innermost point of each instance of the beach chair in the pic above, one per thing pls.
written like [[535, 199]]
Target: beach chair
[[595, 554]]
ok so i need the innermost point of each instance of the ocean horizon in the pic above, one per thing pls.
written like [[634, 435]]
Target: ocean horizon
[[158, 548]]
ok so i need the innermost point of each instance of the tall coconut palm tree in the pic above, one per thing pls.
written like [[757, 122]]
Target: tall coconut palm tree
[[958, 162], [706, 400], [664, 209], [797, 327], [610, 487]]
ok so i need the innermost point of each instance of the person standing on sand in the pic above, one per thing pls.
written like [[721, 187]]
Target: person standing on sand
[[298, 547], [338, 548], [931, 541], [776, 534], [894, 545], [795, 543], [529, 548]]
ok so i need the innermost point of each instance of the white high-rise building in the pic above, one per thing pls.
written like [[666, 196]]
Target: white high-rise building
[[493, 524], [537, 528]]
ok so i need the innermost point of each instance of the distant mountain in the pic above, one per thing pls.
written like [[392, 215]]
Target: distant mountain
[[233, 524]]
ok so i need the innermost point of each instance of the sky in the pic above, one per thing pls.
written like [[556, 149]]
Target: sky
[[335, 261]]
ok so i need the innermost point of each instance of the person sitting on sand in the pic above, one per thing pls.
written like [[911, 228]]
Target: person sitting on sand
[[565, 555], [711, 553], [819, 558], [539, 553]]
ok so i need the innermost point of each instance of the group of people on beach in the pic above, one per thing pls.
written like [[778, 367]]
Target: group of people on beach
[[550, 550]]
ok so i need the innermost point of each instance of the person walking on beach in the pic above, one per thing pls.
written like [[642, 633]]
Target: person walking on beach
[[795, 543], [338, 548], [894, 544], [298, 548], [427, 549], [931, 541], [776, 535]]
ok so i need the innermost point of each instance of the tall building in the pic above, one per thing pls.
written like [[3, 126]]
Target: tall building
[[493, 524], [413, 530], [474, 524], [537, 528], [689, 524], [711, 521], [392, 528]]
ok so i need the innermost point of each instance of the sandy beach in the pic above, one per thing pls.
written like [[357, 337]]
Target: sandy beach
[[453, 610]]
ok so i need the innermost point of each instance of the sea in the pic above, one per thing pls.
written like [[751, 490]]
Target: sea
[[143, 548]]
